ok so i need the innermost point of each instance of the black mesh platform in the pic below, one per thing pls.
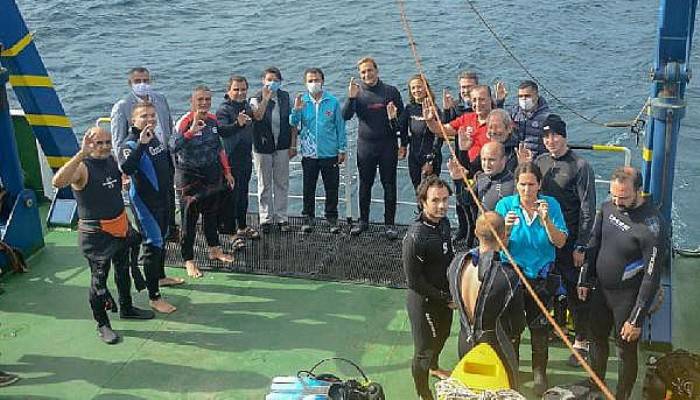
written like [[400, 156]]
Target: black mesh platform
[[369, 258]]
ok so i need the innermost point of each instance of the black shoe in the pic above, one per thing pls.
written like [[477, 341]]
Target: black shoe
[[573, 361], [135, 313], [7, 379], [335, 228], [391, 233], [359, 228], [107, 334], [284, 226], [308, 226], [265, 228]]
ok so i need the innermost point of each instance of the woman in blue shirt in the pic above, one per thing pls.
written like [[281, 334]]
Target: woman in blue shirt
[[534, 226]]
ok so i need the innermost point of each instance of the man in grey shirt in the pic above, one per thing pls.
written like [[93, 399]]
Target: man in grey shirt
[[141, 91]]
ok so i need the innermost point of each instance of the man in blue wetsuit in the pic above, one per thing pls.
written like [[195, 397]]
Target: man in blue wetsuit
[[146, 160], [120, 119]]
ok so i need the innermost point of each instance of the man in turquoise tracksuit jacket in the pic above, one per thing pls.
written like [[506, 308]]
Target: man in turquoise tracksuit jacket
[[322, 143]]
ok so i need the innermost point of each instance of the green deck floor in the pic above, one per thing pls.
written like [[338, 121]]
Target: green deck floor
[[230, 335]]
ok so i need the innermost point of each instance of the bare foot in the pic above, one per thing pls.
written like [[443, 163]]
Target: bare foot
[[192, 270], [216, 253], [441, 374], [170, 281], [162, 306]]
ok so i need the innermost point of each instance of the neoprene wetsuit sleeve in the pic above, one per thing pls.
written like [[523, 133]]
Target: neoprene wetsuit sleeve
[[587, 274], [129, 155], [403, 127], [177, 140], [340, 130], [228, 122], [652, 250], [585, 188], [349, 108], [414, 264]]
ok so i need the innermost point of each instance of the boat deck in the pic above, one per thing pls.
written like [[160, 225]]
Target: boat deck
[[230, 335]]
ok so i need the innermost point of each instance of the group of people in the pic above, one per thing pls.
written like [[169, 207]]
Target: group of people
[[513, 172], [517, 183]]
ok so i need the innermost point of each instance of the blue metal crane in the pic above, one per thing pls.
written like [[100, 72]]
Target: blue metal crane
[[670, 75]]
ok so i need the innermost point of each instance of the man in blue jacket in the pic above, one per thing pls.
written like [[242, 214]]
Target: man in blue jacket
[[322, 143]]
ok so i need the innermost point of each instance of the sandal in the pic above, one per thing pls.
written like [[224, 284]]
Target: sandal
[[249, 233], [238, 243]]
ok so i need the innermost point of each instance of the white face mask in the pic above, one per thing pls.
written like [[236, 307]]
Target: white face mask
[[314, 87], [526, 104], [142, 90]]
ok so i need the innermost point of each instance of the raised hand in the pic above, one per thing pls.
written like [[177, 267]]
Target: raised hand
[[353, 88], [429, 112], [243, 118], [298, 102], [501, 91], [197, 123], [447, 100], [457, 171], [266, 93], [89, 145], [543, 209], [524, 154], [464, 134], [391, 110], [146, 134]]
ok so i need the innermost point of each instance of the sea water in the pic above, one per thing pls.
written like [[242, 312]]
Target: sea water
[[593, 54]]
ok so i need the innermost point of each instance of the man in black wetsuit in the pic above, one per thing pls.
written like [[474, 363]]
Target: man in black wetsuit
[[570, 179], [96, 181], [146, 160], [427, 252], [488, 296], [493, 182], [201, 167], [622, 267], [376, 141]]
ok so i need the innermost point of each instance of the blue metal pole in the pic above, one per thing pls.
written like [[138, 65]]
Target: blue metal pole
[[10, 167], [670, 76]]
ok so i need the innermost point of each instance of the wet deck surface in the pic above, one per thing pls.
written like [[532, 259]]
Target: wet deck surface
[[231, 334]]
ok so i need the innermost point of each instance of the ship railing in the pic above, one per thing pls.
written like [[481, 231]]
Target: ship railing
[[348, 180]]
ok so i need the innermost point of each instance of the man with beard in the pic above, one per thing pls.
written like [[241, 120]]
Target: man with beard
[[427, 253], [623, 261], [95, 178]]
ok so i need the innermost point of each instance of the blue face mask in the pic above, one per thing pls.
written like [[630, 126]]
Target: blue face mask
[[274, 85]]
